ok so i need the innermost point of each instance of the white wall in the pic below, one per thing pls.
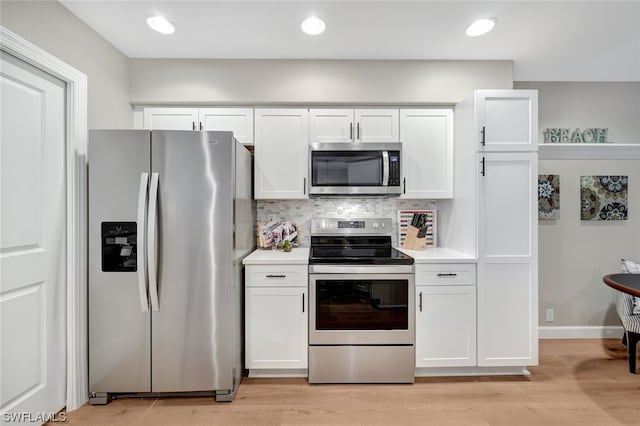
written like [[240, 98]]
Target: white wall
[[252, 82], [575, 254], [615, 105], [53, 28]]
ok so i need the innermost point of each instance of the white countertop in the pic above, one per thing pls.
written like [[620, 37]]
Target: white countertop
[[438, 255], [297, 255]]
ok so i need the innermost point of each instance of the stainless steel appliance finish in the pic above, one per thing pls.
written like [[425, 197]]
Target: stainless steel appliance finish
[[173, 325], [362, 364], [355, 168], [361, 307]]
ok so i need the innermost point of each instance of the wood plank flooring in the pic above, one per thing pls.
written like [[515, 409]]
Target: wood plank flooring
[[584, 382]]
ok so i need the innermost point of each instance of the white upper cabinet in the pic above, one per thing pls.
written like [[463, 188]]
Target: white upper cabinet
[[377, 125], [359, 125], [171, 119], [237, 120], [427, 153], [507, 120], [331, 125], [281, 153]]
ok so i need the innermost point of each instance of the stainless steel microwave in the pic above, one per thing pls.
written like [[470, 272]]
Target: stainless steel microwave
[[355, 168]]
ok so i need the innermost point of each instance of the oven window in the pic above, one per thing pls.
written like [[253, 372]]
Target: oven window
[[346, 168], [362, 304]]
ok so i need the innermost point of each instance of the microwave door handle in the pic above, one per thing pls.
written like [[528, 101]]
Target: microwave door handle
[[385, 168]]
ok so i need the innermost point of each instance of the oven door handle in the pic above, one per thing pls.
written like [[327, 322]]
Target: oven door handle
[[356, 271], [385, 168]]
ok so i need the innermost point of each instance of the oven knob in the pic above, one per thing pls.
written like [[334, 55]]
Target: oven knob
[[382, 224], [375, 225]]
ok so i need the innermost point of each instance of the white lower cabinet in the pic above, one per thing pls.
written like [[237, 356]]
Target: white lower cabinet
[[276, 320], [445, 315], [507, 260]]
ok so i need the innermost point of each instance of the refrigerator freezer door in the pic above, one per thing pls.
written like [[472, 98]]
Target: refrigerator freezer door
[[119, 329], [192, 333]]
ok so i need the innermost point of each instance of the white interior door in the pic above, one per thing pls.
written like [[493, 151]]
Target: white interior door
[[32, 242]]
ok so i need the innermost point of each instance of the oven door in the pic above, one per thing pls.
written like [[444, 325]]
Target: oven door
[[361, 309]]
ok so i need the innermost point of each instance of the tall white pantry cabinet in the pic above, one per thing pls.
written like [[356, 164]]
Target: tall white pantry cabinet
[[503, 126]]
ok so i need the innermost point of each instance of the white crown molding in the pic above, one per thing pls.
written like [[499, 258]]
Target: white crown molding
[[76, 159], [589, 151]]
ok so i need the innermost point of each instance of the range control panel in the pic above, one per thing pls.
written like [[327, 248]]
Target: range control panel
[[365, 226], [119, 246]]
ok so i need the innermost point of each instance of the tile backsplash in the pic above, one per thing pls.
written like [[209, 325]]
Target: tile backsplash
[[300, 212]]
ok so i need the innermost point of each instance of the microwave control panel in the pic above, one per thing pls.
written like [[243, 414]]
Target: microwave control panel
[[394, 168]]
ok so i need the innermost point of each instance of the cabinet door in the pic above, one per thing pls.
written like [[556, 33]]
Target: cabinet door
[[427, 153], [507, 268], [237, 120], [507, 120], [377, 125], [446, 326], [331, 125], [171, 118], [276, 327], [281, 153]]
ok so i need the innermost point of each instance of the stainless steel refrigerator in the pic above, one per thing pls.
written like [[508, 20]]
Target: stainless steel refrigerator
[[170, 220]]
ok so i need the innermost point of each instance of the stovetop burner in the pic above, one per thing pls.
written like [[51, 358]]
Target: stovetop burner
[[354, 242]]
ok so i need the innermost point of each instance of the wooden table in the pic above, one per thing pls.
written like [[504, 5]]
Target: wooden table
[[626, 283]]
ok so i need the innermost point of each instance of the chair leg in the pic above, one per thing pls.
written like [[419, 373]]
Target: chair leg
[[624, 338], [632, 339]]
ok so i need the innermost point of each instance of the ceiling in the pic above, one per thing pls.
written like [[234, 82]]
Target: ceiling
[[547, 40]]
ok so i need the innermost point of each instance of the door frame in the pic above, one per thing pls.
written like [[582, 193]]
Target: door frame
[[76, 206]]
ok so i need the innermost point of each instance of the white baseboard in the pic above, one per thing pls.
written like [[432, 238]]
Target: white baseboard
[[580, 332], [263, 373], [471, 371]]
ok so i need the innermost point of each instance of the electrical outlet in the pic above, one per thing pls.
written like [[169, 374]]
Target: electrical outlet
[[550, 315]]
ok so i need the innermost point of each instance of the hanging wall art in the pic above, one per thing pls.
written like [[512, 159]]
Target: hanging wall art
[[604, 197], [548, 197]]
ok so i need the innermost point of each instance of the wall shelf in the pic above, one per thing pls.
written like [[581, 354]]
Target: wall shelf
[[589, 151]]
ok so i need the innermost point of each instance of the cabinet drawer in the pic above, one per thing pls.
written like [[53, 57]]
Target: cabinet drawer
[[446, 274], [277, 275]]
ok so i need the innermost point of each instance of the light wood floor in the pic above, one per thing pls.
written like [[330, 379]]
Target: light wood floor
[[578, 382]]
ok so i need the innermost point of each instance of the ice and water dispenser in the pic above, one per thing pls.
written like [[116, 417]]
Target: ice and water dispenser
[[119, 246]]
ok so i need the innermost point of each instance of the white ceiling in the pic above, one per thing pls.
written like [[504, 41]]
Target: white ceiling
[[547, 40]]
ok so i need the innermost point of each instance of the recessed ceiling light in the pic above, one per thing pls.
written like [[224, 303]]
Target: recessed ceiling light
[[313, 26], [481, 26], [160, 24]]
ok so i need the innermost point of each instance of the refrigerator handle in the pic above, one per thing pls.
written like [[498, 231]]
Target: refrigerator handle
[[153, 243], [141, 257]]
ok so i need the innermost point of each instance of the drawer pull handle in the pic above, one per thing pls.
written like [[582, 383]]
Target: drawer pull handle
[[449, 274], [420, 305], [276, 276]]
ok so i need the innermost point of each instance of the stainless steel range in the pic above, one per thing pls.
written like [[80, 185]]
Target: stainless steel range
[[361, 315]]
